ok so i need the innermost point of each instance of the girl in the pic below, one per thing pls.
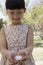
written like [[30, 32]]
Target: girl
[[16, 39]]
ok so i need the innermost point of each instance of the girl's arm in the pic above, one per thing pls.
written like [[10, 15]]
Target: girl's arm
[[28, 50], [3, 49]]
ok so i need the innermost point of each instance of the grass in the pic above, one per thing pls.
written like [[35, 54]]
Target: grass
[[37, 39], [38, 42]]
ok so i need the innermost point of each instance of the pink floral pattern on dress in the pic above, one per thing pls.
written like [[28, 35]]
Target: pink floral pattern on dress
[[16, 36]]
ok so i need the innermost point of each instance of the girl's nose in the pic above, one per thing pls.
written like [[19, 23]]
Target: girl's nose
[[15, 16]]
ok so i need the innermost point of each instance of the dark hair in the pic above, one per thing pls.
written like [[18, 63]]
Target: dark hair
[[15, 4]]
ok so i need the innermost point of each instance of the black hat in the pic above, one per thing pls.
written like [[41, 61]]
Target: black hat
[[15, 4]]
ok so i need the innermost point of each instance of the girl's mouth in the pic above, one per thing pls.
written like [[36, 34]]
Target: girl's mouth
[[16, 19]]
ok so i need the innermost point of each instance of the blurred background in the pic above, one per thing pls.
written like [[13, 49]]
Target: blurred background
[[34, 17]]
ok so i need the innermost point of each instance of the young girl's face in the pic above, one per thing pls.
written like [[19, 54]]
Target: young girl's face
[[15, 15]]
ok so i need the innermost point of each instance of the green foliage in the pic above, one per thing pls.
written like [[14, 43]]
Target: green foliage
[[1, 23], [34, 16]]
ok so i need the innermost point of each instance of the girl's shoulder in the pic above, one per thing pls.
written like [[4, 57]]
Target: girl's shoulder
[[2, 31]]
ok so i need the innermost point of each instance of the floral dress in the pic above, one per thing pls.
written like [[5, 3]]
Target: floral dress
[[16, 39]]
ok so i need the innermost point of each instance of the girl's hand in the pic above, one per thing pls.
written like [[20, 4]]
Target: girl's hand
[[23, 54], [11, 59]]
